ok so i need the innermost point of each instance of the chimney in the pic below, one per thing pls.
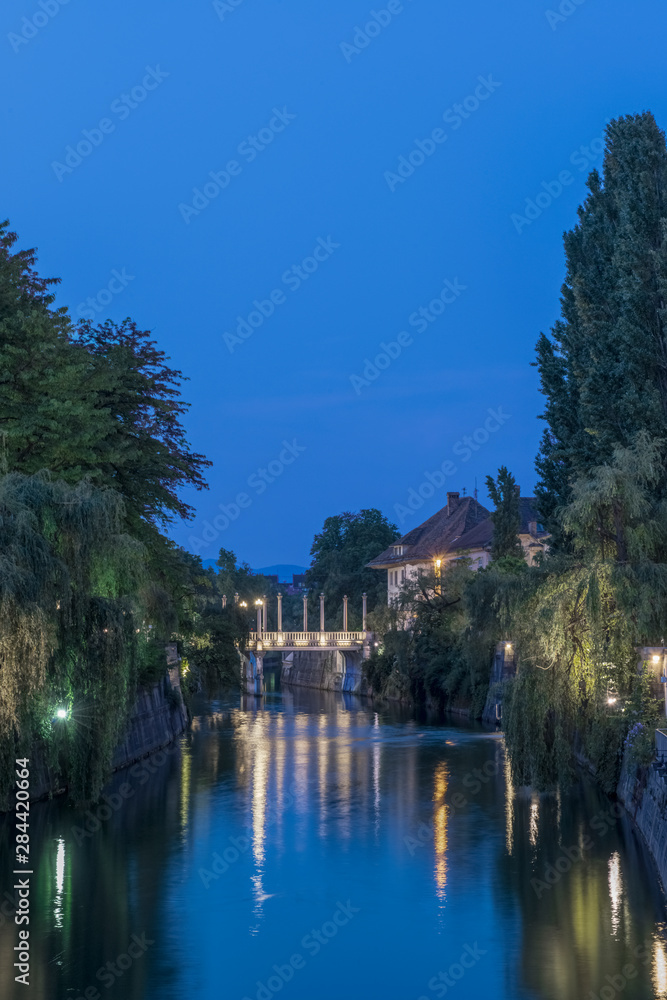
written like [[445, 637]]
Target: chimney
[[452, 501]]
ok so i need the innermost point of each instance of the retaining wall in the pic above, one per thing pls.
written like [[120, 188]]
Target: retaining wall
[[156, 719]]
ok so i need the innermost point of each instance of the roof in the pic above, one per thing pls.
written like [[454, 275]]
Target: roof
[[462, 525], [436, 536]]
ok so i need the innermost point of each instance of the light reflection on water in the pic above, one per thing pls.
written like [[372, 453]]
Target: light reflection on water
[[313, 800]]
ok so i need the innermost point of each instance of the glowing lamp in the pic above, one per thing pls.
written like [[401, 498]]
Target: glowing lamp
[[61, 713], [655, 658], [611, 701]]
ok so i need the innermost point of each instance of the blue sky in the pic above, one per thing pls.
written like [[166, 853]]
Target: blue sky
[[304, 120]]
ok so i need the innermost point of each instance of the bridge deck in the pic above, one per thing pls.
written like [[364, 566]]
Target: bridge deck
[[293, 641]]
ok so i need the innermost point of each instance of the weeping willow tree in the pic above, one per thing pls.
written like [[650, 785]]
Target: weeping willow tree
[[578, 685], [68, 638]]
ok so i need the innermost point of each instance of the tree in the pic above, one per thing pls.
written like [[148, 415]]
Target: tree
[[506, 517], [93, 402], [341, 552], [604, 368], [144, 453]]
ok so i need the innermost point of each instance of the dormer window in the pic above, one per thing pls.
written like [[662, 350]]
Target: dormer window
[[398, 550]]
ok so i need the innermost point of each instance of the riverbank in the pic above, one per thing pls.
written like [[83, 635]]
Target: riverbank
[[158, 717], [643, 793]]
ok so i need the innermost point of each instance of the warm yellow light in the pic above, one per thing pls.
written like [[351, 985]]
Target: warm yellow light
[[656, 658], [258, 602], [611, 701], [508, 645], [438, 563], [244, 604]]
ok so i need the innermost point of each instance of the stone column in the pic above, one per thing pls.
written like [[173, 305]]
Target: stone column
[[321, 612], [363, 612], [224, 601], [259, 621], [345, 613], [265, 605], [305, 612], [236, 598], [280, 612]]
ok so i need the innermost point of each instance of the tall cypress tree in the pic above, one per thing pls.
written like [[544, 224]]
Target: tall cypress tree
[[603, 370], [506, 516]]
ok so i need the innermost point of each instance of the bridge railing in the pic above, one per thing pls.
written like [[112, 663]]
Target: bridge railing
[[278, 639]]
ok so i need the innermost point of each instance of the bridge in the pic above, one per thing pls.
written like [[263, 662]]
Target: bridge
[[260, 642]]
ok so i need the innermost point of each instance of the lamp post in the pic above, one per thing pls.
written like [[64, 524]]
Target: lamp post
[[224, 601], [265, 605], [236, 598], [345, 613], [305, 612], [321, 612], [258, 605], [438, 564], [280, 612], [363, 612]]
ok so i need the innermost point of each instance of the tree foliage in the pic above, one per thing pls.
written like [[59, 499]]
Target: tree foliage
[[603, 487], [341, 552], [506, 516], [93, 457]]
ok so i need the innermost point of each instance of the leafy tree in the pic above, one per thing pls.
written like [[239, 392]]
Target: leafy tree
[[144, 454], [97, 402], [68, 619], [341, 552], [506, 517], [603, 370]]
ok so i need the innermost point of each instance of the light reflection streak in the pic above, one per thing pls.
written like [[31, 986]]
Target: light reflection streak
[[260, 774], [509, 807], [186, 781], [659, 970], [322, 768], [60, 883], [440, 828], [615, 890], [376, 785], [534, 821], [343, 774]]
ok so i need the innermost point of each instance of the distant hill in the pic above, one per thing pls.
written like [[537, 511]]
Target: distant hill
[[284, 571]]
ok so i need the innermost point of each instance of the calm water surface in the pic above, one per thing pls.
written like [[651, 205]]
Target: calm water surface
[[308, 847]]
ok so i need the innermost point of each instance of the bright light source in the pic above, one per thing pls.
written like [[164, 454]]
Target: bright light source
[[611, 701], [655, 658], [438, 563], [508, 645], [61, 713]]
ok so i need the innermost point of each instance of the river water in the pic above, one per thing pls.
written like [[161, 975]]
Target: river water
[[311, 847]]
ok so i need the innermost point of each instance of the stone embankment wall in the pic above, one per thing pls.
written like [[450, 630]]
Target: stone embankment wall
[[643, 792], [157, 718], [330, 671]]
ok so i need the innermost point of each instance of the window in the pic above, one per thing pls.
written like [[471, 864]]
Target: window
[[398, 550], [402, 576]]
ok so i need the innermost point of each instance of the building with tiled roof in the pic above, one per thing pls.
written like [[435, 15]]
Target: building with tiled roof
[[461, 529]]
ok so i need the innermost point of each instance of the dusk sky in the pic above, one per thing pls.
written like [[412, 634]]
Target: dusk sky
[[336, 211]]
